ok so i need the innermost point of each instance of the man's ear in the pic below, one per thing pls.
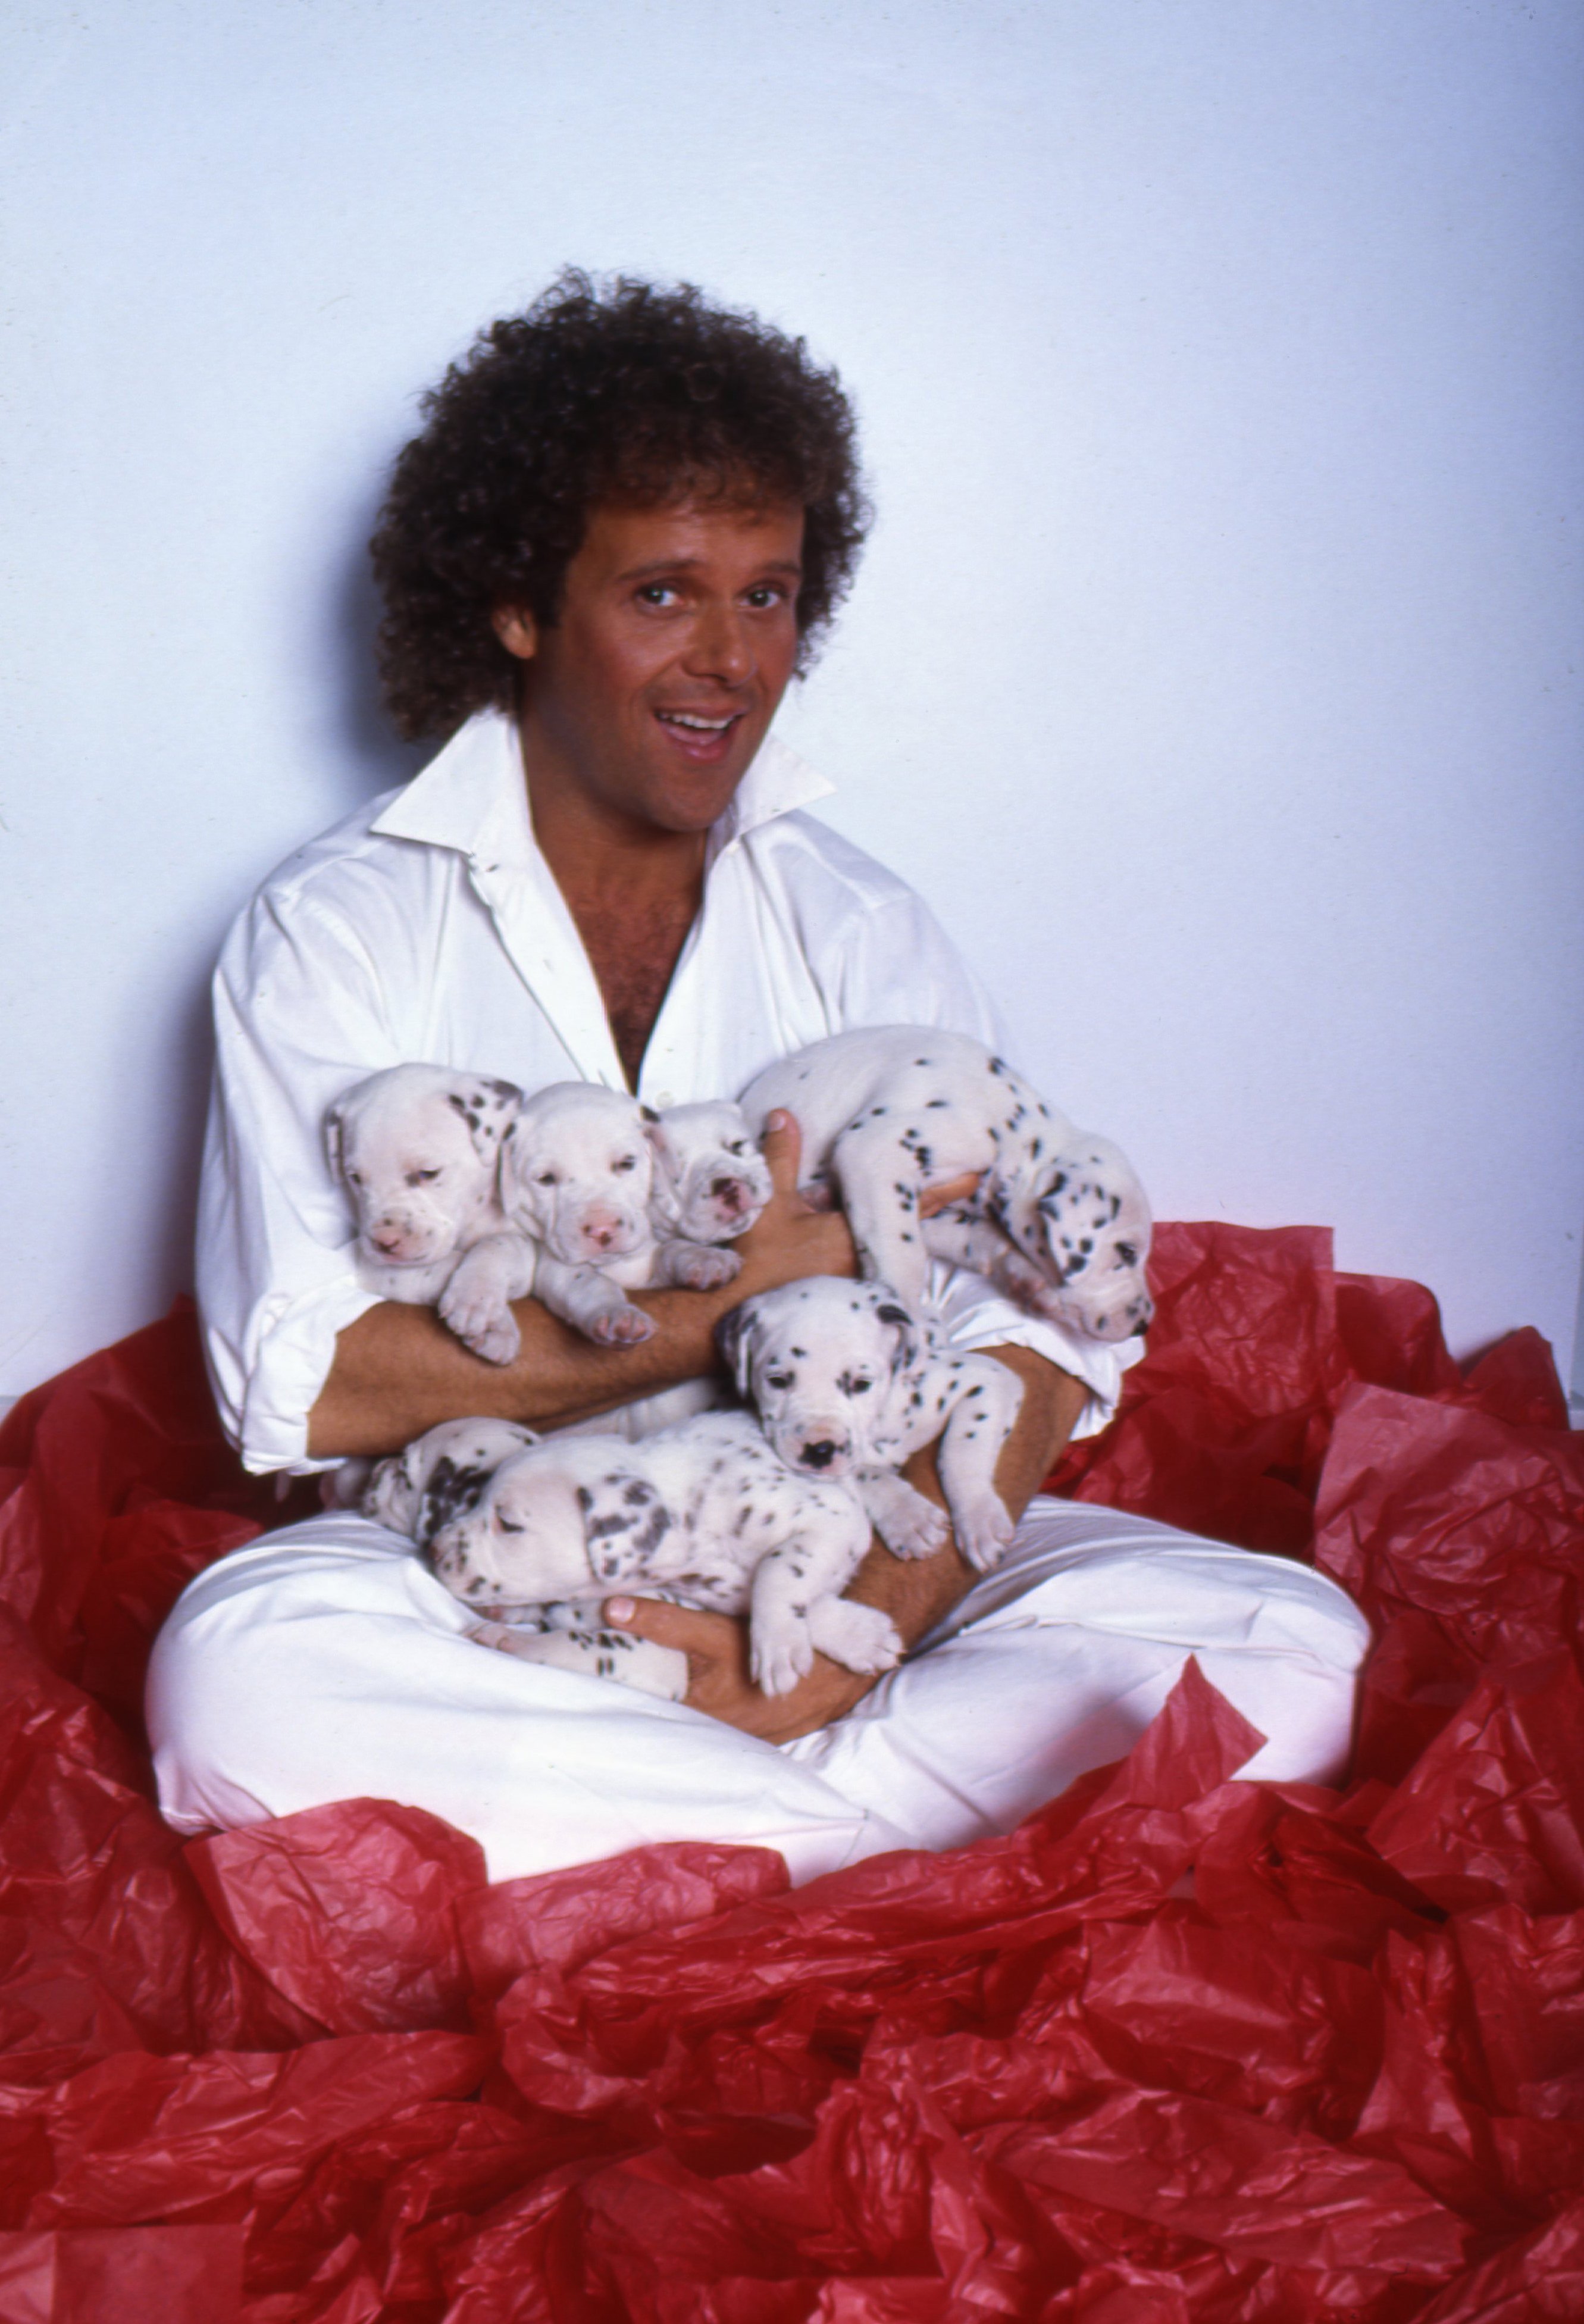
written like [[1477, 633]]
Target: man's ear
[[517, 629]]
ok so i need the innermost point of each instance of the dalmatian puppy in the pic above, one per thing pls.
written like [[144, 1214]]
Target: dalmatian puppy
[[711, 1181], [417, 1147], [705, 1513], [439, 1478], [1059, 1222], [848, 1383], [577, 1179], [440, 1474]]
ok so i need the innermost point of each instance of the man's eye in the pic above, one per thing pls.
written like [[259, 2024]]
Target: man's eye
[[628, 1162], [763, 597], [658, 593]]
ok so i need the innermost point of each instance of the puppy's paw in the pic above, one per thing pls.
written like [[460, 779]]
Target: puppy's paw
[[859, 1637], [482, 1321], [620, 1327], [909, 1525], [705, 1266], [780, 1653], [983, 1529]]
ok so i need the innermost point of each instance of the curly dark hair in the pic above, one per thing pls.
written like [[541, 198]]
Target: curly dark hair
[[619, 389]]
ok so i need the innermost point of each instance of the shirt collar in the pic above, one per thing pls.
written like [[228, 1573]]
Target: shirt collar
[[473, 797]]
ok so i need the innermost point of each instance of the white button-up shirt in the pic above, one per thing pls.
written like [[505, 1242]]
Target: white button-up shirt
[[428, 926]]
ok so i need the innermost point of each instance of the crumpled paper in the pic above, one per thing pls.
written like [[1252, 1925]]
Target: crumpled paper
[[1181, 2047]]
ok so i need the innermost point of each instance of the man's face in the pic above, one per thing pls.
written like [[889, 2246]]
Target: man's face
[[676, 640]]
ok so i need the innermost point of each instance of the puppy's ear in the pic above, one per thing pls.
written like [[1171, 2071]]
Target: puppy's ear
[[907, 1346], [734, 1339], [488, 1107], [335, 1139], [649, 1113]]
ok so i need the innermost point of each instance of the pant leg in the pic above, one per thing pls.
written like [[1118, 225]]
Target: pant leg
[[325, 1662], [1057, 1661]]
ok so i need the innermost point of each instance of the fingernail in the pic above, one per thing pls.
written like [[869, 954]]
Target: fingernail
[[620, 1609], [778, 1119]]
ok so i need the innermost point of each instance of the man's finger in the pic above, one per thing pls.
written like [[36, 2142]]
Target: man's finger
[[685, 1627], [782, 1145], [950, 1191]]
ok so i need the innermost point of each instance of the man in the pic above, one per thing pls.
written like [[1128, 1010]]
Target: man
[[605, 558]]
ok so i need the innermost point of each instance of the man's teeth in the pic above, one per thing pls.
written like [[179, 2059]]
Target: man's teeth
[[700, 726]]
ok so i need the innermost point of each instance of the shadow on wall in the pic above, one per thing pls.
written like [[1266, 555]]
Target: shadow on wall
[[374, 758], [364, 757]]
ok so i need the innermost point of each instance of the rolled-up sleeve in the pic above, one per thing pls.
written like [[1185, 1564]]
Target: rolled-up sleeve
[[298, 1019], [971, 1314]]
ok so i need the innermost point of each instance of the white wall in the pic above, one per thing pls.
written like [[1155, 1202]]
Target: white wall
[[1213, 666]]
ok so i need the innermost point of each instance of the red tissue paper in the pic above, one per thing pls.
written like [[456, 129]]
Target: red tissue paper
[[1180, 2048]]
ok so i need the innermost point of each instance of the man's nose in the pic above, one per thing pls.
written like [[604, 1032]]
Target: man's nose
[[721, 646]]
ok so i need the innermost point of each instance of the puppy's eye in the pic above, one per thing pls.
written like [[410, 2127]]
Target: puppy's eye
[[862, 1388], [421, 1177], [509, 1525], [627, 1162], [354, 1177], [777, 1380], [545, 1178], [737, 1146]]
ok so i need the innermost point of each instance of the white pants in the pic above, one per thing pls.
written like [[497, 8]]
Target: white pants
[[325, 1662]]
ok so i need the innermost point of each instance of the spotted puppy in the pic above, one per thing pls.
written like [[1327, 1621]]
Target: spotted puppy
[[848, 1383], [711, 1181], [1059, 1222], [439, 1478], [577, 1178], [417, 1147], [705, 1513]]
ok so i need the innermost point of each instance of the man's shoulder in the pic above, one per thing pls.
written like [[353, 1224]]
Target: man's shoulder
[[801, 849]]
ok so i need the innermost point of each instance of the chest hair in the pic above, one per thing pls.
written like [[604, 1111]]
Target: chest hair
[[634, 949]]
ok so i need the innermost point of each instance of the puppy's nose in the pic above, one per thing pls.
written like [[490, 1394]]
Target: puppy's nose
[[819, 1454], [728, 1192], [390, 1241]]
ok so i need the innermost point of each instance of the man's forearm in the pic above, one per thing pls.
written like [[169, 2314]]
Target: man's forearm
[[917, 1592], [399, 1371]]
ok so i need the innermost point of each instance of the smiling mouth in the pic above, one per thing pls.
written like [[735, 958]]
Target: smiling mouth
[[700, 733]]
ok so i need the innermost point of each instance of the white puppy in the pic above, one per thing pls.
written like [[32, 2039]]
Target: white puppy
[[704, 1512], [441, 1473], [848, 1385], [711, 1181], [417, 1147], [577, 1174], [439, 1478], [1059, 1223]]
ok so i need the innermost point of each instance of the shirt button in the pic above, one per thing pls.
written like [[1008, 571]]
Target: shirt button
[[662, 1100]]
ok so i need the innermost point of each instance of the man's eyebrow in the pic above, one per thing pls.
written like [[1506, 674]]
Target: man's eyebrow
[[790, 566]]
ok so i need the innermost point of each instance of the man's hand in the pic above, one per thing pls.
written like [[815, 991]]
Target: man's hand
[[915, 1593], [789, 1239], [717, 1647]]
